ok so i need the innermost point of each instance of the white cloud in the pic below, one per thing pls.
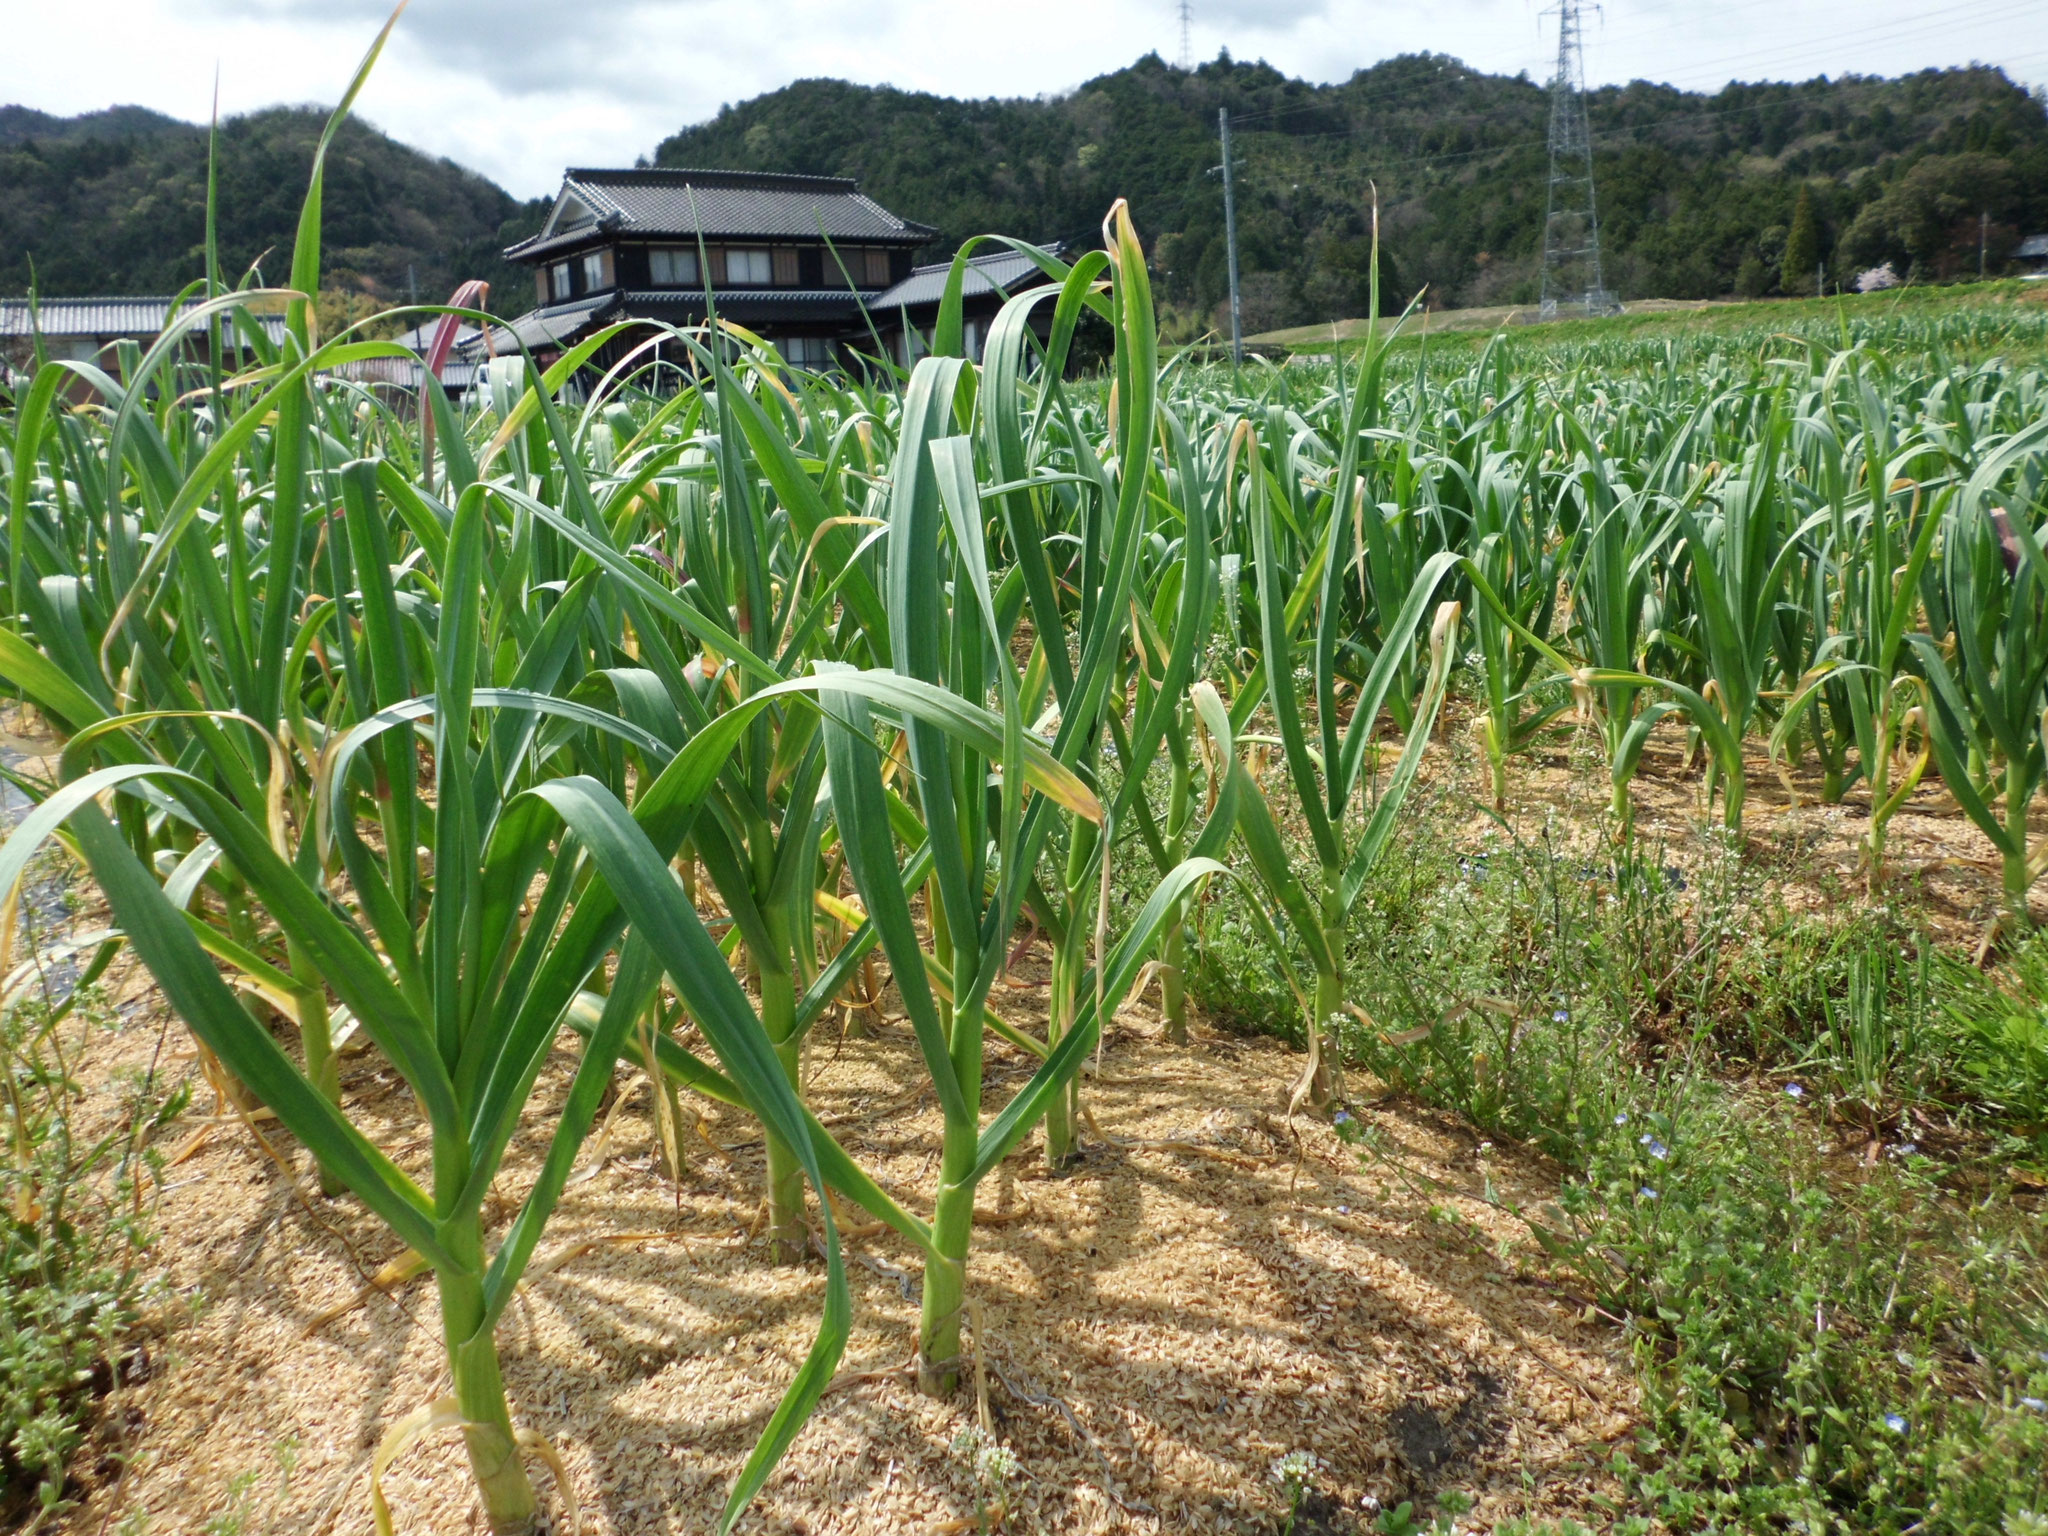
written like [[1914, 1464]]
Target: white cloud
[[520, 88]]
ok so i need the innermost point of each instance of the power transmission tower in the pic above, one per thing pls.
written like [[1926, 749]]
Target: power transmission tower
[[1187, 36], [1571, 226]]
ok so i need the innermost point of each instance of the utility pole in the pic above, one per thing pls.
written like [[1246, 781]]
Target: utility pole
[[1187, 36], [1571, 226], [1230, 242]]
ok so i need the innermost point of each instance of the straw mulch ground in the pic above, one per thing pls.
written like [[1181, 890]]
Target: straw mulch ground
[[1214, 1287]]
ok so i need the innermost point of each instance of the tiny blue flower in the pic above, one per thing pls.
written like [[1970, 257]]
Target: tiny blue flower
[[2034, 1403], [1343, 1210], [1622, 1118], [1562, 1016], [1647, 1193], [1895, 1422], [1905, 1149], [1793, 1090], [1342, 1117], [1657, 1148]]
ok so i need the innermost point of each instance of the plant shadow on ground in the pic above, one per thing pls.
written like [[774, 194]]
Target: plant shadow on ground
[[1211, 1288]]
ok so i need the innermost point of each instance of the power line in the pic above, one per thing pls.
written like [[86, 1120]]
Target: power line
[[1892, 32], [1881, 32], [1951, 16], [1711, 114]]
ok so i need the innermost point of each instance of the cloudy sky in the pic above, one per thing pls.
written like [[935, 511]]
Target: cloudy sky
[[520, 88]]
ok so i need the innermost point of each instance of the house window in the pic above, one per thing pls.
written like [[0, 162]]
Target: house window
[[558, 275], [672, 266], [878, 269], [805, 351], [593, 272], [743, 265], [785, 267]]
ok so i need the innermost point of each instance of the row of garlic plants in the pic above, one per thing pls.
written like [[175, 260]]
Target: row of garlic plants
[[647, 727], [1809, 555]]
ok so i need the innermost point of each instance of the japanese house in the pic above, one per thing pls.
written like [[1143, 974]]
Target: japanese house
[[808, 263]]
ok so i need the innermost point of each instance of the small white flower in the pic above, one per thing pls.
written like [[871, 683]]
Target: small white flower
[[995, 1463], [1296, 1469]]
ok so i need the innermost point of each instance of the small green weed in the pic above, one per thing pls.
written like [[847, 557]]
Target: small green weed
[[2004, 1037], [1818, 1353], [71, 1242]]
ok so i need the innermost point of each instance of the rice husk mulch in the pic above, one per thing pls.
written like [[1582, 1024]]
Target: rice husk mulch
[[1214, 1286]]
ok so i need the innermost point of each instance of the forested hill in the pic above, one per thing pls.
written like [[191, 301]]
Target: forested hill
[[1698, 194], [115, 202]]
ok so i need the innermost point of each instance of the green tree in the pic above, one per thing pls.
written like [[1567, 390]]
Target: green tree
[[1802, 246]]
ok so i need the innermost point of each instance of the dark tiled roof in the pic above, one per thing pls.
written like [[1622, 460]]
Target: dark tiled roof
[[560, 325], [2034, 245], [682, 204], [1003, 269], [114, 318], [553, 326], [742, 302]]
